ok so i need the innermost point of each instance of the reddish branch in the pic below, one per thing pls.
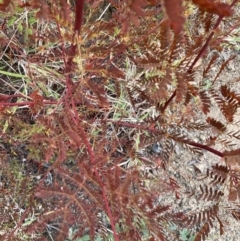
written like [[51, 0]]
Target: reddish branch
[[74, 115], [77, 27], [29, 103], [159, 132], [204, 147]]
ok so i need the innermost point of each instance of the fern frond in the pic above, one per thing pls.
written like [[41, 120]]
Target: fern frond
[[185, 143], [234, 190], [204, 231], [222, 9], [223, 66], [236, 214], [228, 109], [206, 102], [235, 134], [165, 34], [130, 96], [217, 124], [167, 153], [208, 193], [208, 22], [232, 152], [158, 210], [153, 139], [175, 14], [181, 90], [232, 157], [158, 87], [174, 50], [230, 96], [218, 174], [148, 61], [189, 96], [210, 64], [193, 126], [202, 217]]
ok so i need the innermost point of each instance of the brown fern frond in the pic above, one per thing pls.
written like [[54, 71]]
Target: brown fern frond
[[158, 210], [151, 81], [181, 90], [147, 141], [194, 126], [146, 160], [202, 217], [223, 66], [37, 102], [221, 226], [44, 10], [148, 61], [96, 149], [157, 51], [235, 134], [204, 231], [142, 94], [234, 190], [174, 187], [130, 96], [165, 34], [230, 96], [227, 108], [218, 174], [232, 158], [208, 22], [206, 102], [165, 81], [236, 214], [185, 143], [131, 11], [208, 193], [232, 152], [99, 92], [198, 42], [217, 124], [156, 94], [167, 153], [157, 87], [159, 233], [227, 143], [175, 14], [210, 64], [189, 96], [174, 50], [221, 9]]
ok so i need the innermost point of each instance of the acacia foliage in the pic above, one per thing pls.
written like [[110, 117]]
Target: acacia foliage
[[87, 139]]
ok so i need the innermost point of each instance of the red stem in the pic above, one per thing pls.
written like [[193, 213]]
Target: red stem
[[47, 102], [204, 147], [159, 132], [168, 102], [74, 115]]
